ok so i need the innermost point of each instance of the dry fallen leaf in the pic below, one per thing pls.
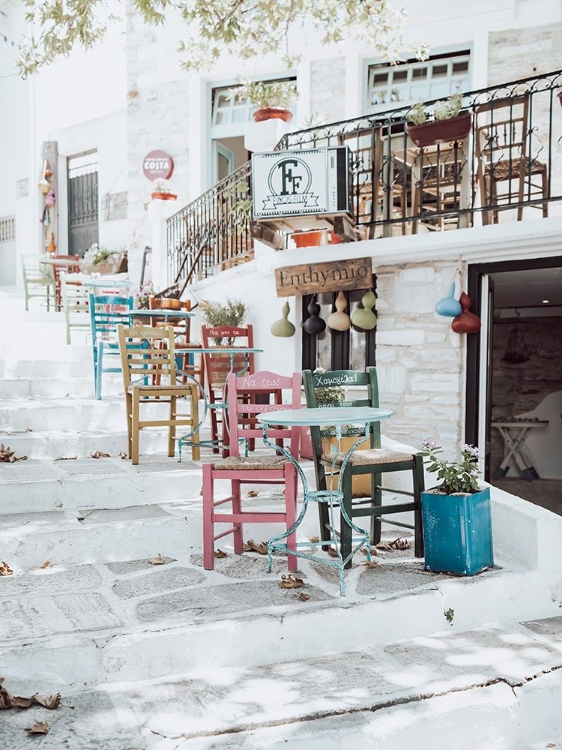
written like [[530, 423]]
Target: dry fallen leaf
[[332, 552], [371, 564], [5, 698], [551, 744], [19, 702], [158, 560], [251, 546], [123, 455], [66, 458], [49, 701], [290, 582], [253, 493], [314, 539], [219, 553], [48, 564], [8, 456], [302, 596], [5, 569], [99, 454], [398, 543], [40, 727]]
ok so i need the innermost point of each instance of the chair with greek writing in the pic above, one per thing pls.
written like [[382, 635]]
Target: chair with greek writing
[[370, 460], [247, 396], [218, 365]]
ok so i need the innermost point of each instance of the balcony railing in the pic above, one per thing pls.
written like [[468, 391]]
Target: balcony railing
[[505, 166]]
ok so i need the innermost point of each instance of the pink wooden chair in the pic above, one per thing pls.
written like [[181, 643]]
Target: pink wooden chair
[[269, 468]]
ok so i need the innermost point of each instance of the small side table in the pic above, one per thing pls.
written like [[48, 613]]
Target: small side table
[[514, 433], [320, 416]]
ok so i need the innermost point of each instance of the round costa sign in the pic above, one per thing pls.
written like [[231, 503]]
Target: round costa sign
[[158, 165]]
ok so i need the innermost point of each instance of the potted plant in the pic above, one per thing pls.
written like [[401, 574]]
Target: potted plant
[[271, 100], [456, 515], [161, 190], [449, 124], [101, 260], [217, 314]]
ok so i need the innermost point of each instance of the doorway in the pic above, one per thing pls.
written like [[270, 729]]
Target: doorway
[[83, 218], [514, 378]]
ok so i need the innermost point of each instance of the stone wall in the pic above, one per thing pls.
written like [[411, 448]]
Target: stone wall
[[419, 358], [327, 89]]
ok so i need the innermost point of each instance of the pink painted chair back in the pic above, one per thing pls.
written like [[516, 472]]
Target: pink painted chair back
[[248, 396]]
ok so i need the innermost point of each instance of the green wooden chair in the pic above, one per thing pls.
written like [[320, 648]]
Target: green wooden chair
[[75, 304], [373, 460], [37, 280]]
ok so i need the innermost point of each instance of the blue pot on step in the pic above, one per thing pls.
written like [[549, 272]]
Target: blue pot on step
[[457, 532]]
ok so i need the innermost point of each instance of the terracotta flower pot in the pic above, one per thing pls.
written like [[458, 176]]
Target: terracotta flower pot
[[159, 196], [273, 113], [309, 239], [441, 131]]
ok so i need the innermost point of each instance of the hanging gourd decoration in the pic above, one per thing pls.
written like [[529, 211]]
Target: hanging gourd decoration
[[45, 220], [364, 317], [283, 327], [466, 322], [315, 324], [44, 186], [50, 198], [51, 247], [339, 320], [449, 306], [47, 172]]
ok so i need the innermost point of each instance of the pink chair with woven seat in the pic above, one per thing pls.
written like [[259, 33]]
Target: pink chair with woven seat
[[269, 468]]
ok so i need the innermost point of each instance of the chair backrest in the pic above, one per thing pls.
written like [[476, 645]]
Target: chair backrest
[[35, 269], [105, 315], [147, 355], [75, 302], [502, 132], [219, 364], [256, 393], [181, 327], [329, 390], [70, 266]]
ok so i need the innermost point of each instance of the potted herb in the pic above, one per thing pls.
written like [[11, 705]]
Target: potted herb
[[271, 100], [456, 515], [162, 190], [217, 315], [446, 124]]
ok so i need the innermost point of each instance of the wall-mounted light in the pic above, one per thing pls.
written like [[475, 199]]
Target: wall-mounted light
[[545, 301]]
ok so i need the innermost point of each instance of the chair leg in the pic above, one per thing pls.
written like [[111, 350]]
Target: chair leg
[[208, 525], [237, 508], [195, 450], [99, 370], [172, 426], [376, 502], [291, 513], [135, 429], [345, 530], [129, 409], [323, 512], [419, 485]]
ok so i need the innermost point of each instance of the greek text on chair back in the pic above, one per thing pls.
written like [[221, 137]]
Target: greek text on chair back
[[374, 461], [267, 468], [217, 367]]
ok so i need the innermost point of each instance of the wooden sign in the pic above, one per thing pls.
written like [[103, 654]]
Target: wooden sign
[[315, 278]]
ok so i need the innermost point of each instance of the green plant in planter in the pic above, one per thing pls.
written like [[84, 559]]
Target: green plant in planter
[[266, 94], [241, 209], [455, 476], [443, 110], [231, 313]]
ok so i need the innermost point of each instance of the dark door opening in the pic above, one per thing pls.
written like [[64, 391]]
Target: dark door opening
[[514, 378], [83, 227]]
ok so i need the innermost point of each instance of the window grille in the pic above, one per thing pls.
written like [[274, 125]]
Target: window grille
[[7, 229], [407, 83]]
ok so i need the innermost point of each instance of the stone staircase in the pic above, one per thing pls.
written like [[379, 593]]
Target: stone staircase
[[169, 656]]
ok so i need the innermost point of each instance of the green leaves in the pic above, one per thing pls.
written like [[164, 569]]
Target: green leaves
[[454, 477], [243, 28]]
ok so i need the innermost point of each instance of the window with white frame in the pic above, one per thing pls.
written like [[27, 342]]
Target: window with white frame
[[229, 109], [406, 83], [7, 229]]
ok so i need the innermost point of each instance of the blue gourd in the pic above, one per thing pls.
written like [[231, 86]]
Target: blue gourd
[[449, 306]]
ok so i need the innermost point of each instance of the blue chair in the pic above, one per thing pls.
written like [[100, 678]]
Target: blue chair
[[107, 311]]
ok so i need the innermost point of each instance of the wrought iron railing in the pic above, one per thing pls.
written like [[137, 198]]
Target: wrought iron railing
[[507, 159]]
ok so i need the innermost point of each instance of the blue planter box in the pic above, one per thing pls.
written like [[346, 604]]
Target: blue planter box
[[457, 532]]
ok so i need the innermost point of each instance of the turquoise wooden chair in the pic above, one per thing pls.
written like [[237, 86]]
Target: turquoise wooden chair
[[107, 311], [374, 461]]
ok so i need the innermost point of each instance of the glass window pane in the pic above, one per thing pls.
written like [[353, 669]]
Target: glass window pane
[[440, 70], [460, 67]]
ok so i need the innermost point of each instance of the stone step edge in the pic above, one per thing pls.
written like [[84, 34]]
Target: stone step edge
[[229, 641]]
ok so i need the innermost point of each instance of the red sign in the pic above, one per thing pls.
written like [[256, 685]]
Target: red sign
[[158, 165]]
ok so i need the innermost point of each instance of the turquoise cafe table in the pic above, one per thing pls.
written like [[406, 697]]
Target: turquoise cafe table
[[323, 417]]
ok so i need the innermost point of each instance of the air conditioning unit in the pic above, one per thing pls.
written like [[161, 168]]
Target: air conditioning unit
[[296, 189]]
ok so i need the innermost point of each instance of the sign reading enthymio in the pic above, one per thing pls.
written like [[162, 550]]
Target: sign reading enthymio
[[314, 278], [297, 183]]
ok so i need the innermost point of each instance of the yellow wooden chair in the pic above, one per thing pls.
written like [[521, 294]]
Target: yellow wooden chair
[[148, 357]]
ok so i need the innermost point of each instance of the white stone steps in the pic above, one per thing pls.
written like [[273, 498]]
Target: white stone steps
[[71, 386]]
